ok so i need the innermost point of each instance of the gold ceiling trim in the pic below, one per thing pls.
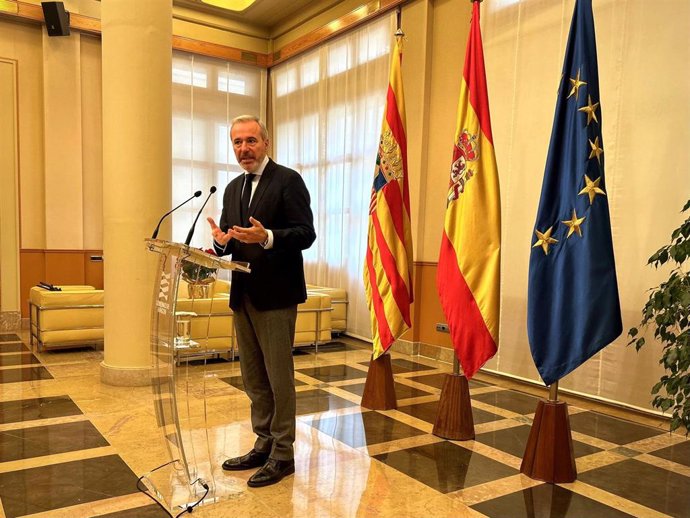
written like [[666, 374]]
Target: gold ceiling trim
[[34, 14], [8, 7], [333, 28]]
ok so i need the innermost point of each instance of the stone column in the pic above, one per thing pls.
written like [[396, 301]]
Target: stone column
[[137, 63], [10, 318]]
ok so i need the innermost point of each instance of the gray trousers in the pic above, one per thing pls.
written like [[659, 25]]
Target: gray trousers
[[265, 340]]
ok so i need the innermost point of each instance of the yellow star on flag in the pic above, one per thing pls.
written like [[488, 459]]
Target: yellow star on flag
[[592, 188], [590, 110], [576, 85], [545, 240], [573, 224], [596, 150]]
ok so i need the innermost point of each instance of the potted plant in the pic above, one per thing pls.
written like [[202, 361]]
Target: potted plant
[[667, 311], [199, 278]]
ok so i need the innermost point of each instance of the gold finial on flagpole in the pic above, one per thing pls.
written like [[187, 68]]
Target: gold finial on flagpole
[[399, 32]]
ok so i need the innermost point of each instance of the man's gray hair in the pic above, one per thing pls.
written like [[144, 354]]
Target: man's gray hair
[[251, 118]]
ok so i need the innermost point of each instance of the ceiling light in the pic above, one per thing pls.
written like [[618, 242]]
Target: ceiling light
[[231, 5]]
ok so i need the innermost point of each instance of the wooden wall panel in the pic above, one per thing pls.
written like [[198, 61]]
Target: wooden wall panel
[[32, 268], [93, 269], [428, 310], [65, 266]]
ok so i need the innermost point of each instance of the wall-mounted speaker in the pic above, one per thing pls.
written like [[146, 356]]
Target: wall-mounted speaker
[[57, 19]]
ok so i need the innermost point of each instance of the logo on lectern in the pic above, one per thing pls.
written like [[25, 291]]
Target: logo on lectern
[[162, 304]]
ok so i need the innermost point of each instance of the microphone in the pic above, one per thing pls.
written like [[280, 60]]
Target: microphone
[[191, 230], [155, 232]]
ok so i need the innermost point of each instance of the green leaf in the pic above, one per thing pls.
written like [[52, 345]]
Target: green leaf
[[675, 423], [685, 229], [663, 257], [665, 404], [671, 357]]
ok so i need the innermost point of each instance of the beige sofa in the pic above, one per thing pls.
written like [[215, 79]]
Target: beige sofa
[[212, 328], [74, 317], [212, 324], [68, 318], [339, 304], [313, 326]]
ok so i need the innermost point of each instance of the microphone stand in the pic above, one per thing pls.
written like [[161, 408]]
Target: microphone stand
[[191, 230], [155, 232]]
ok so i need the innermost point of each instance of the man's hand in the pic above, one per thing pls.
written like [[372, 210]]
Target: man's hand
[[254, 234], [219, 236]]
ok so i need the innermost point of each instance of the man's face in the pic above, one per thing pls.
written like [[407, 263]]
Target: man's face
[[250, 147]]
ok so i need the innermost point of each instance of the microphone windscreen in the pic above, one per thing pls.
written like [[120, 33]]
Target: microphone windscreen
[[213, 189], [197, 194]]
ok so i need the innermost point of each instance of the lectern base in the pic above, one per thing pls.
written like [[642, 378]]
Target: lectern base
[[379, 389], [549, 451], [454, 417]]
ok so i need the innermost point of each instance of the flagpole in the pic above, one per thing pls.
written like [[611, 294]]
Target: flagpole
[[390, 308], [553, 391], [473, 319]]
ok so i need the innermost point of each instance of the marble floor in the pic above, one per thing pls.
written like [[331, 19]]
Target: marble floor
[[73, 447]]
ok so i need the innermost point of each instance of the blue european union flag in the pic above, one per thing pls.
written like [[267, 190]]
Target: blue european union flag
[[573, 305]]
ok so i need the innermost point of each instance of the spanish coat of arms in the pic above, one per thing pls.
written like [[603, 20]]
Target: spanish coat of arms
[[465, 151]]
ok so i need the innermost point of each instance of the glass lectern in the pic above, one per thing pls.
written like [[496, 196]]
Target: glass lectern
[[189, 475]]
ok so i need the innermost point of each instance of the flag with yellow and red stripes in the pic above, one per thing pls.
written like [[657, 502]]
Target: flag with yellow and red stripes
[[470, 259], [388, 268]]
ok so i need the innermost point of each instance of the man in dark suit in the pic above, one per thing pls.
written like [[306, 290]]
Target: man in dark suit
[[266, 221]]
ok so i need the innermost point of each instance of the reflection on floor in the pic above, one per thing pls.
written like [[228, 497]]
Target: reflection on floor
[[72, 447]]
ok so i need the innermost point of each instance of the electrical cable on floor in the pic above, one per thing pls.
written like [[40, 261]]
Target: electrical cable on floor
[[145, 491], [188, 508]]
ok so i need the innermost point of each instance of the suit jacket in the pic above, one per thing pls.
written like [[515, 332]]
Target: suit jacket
[[281, 203]]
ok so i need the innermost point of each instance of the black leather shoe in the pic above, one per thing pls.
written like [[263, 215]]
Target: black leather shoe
[[251, 460], [271, 472]]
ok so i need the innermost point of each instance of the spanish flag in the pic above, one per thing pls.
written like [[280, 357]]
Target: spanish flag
[[470, 258], [388, 268]]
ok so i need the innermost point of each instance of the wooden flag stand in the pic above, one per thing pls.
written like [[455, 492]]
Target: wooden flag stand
[[454, 416], [379, 389], [549, 451]]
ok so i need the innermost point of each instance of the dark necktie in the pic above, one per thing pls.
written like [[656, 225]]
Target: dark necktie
[[246, 196]]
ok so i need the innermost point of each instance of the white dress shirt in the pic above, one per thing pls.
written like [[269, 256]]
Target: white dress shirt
[[268, 244]]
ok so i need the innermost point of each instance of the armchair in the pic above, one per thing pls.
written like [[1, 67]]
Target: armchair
[[68, 318], [212, 326], [338, 302]]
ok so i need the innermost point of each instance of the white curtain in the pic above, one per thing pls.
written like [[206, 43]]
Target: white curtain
[[207, 94], [327, 109], [644, 79]]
